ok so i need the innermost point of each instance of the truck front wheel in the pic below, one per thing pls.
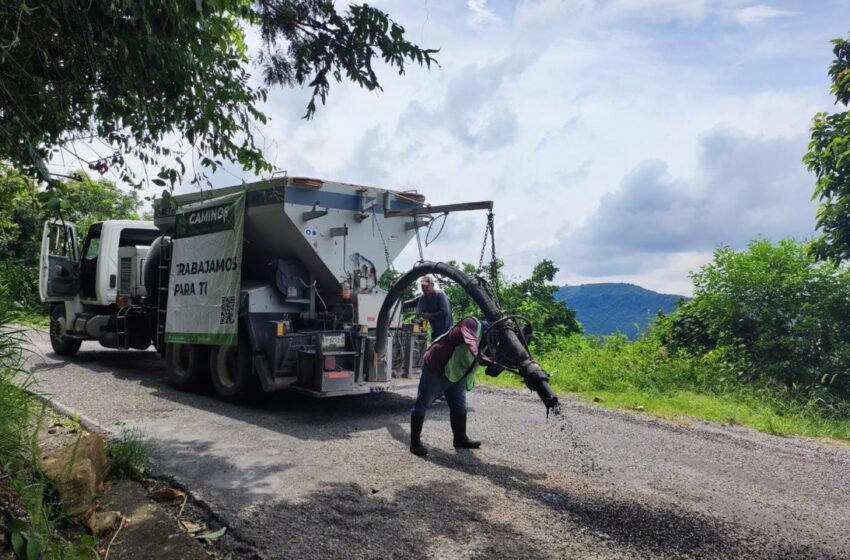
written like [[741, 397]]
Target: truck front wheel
[[61, 344], [188, 365], [232, 372]]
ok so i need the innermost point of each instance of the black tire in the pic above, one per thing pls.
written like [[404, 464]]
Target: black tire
[[61, 345], [188, 365], [231, 372]]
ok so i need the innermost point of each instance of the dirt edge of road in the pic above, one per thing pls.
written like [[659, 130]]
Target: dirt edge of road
[[179, 522]]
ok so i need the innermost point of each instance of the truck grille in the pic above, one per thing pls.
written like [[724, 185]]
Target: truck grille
[[125, 276]]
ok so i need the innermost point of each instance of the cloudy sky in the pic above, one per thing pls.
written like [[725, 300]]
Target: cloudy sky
[[623, 139]]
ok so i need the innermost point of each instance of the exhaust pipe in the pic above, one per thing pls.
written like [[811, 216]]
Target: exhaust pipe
[[534, 376]]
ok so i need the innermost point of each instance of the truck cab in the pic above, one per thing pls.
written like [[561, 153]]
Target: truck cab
[[81, 282]]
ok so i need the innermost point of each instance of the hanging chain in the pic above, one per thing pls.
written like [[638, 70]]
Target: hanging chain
[[490, 231], [494, 265], [484, 244]]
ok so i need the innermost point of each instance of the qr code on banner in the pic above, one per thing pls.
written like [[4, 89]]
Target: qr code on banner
[[228, 310]]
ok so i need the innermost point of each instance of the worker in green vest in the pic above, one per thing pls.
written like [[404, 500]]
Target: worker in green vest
[[448, 369]]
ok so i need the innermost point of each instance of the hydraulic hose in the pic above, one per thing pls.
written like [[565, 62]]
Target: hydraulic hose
[[534, 376]]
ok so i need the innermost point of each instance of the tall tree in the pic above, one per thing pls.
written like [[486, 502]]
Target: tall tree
[[829, 158], [534, 297], [22, 217], [131, 76]]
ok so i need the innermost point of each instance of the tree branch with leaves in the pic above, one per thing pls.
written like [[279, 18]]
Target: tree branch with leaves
[[167, 83], [829, 158]]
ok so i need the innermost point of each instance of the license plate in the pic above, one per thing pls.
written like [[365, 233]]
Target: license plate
[[333, 341]]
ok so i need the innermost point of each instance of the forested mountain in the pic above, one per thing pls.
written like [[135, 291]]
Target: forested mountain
[[608, 308]]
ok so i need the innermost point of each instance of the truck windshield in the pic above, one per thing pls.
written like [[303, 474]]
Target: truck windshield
[[92, 242], [93, 248]]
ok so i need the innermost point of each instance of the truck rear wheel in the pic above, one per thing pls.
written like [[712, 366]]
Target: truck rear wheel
[[61, 344], [188, 365], [231, 369]]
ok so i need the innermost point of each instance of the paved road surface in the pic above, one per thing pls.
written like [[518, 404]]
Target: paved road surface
[[299, 478]]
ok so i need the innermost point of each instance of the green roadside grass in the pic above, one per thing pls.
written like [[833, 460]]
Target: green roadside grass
[[641, 377], [31, 518], [34, 320]]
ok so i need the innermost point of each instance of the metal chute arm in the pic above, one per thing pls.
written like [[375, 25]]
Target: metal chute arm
[[534, 376]]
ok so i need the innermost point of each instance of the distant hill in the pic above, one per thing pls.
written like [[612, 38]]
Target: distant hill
[[608, 308]]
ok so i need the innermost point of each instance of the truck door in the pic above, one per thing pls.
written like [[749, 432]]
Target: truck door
[[58, 273]]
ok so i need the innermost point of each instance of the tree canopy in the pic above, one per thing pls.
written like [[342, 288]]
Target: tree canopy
[[829, 158], [22, 217], [166, 83]]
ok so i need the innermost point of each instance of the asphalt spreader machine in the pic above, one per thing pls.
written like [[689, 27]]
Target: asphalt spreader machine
[[263, 287]]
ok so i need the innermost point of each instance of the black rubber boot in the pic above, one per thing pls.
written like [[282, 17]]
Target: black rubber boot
[[458, 421], [416, 447]]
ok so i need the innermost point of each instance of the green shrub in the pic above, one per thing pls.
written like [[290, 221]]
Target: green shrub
[[772, 313], [19, 281]]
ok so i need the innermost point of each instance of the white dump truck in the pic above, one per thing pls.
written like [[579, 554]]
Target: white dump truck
[[266, 286]]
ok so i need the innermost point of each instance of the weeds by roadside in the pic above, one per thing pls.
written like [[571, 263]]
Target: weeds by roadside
[[34, 320], [30, 516], [71, 423], [642, 375], [18, 408], [130, 455]]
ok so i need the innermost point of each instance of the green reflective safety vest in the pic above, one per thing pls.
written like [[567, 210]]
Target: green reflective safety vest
[[462, 363]]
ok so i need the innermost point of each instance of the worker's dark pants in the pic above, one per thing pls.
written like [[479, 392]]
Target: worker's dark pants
[[432, 386]]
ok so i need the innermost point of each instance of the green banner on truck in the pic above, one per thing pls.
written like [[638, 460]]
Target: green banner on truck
[[206, 267]]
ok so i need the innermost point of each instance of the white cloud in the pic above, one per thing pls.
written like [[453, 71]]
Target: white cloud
[[473, 110], [479, 14], [690, 11], [367, 164], [743, 187], [531, 14], [758, 13]]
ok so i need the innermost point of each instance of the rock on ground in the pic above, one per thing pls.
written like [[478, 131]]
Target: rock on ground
[[78, 471]]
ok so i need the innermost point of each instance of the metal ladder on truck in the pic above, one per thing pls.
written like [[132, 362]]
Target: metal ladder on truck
[[163, 273]]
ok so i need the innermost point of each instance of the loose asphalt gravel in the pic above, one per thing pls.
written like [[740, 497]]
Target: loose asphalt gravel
[[294, 477]]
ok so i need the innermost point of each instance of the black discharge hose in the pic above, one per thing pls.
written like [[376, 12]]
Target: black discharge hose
[[534, 376]]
